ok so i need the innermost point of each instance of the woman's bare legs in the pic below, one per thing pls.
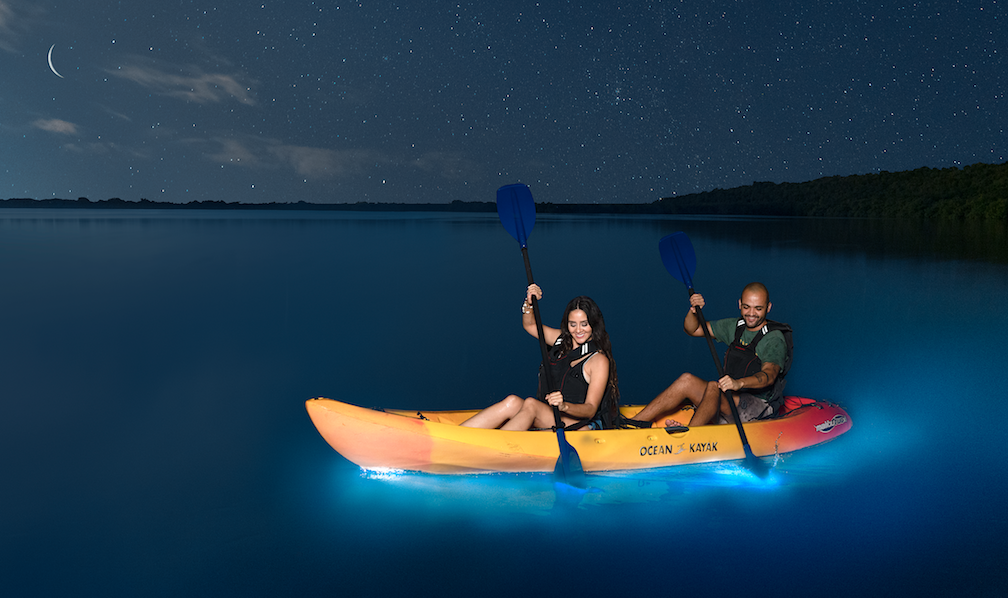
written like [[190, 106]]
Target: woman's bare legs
[[533, 414], [496, 414]]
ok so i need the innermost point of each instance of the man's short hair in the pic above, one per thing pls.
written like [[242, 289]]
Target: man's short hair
[[757, 287]]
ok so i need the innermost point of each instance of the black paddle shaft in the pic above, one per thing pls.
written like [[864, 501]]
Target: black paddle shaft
[[542, 338], [728, 393], [516, 209]]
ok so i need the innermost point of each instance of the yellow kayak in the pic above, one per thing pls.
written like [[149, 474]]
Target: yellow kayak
[[433, 442]]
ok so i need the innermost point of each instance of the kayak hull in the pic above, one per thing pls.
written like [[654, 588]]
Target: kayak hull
[[433, 442]]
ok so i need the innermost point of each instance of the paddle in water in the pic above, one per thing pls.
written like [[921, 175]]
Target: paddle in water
[[680, 260], [516, 209]]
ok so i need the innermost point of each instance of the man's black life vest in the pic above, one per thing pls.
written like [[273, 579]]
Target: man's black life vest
[[741, 360]]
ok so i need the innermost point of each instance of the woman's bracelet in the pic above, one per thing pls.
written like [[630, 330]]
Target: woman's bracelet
[[526, 308]]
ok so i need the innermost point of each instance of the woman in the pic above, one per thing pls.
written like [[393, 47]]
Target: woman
[[581, 366]]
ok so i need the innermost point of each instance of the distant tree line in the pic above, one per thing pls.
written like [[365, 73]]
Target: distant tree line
[[977, 193], [974, 193], [143, 203]]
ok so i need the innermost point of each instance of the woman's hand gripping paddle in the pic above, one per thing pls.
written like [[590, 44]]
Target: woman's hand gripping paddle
[[516, 209], [680, 260]]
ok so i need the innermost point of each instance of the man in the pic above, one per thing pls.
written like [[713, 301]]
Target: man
[[750, 369]]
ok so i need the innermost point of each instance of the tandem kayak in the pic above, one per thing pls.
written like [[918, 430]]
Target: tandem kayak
[[433, 441]]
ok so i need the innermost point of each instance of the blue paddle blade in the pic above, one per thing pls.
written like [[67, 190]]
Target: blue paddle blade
[[568, 467], [678, 256], [516, 210]]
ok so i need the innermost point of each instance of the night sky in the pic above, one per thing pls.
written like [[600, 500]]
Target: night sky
[[428, 101]]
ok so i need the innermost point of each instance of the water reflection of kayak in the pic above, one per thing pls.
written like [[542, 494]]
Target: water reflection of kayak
[[433, 442]]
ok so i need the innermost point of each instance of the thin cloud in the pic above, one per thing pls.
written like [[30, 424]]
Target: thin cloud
[[446, 164], [189, 83], [314, 162], [55, 125], [91, 148], [325, 163], [235, 152], [14, 20], [114, 113], [6, 18]]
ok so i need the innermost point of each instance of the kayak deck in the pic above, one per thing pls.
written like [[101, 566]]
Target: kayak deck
[[433, 442]]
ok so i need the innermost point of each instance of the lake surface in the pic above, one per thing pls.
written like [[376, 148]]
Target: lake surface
[[154, 367]]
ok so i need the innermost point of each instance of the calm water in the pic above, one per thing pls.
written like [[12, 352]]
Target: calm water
[[153, 369]]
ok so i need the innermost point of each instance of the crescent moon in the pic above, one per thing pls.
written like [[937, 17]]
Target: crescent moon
[[51, 67]]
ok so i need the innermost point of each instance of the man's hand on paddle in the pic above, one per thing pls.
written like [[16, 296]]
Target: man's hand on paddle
[[696, 300], [727, 383], [765, 377], [692, 322]]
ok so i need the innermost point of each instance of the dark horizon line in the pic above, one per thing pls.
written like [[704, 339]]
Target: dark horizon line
[[975, 192]]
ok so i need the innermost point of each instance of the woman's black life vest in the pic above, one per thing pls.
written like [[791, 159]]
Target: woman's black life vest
[[571, 383], [741, 360]]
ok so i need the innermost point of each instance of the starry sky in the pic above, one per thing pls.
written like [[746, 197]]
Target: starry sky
[[427, 101]]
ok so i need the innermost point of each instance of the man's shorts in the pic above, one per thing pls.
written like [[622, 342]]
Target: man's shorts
[[749, 408]]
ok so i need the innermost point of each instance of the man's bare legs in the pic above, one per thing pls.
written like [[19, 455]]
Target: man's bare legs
[[707, 408], [686, 387]]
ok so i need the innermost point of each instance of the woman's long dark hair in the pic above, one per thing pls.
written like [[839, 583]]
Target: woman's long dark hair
[[599, 336]]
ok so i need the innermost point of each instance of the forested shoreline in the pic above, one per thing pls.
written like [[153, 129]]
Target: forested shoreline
[[977, 193], [974, 193]]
